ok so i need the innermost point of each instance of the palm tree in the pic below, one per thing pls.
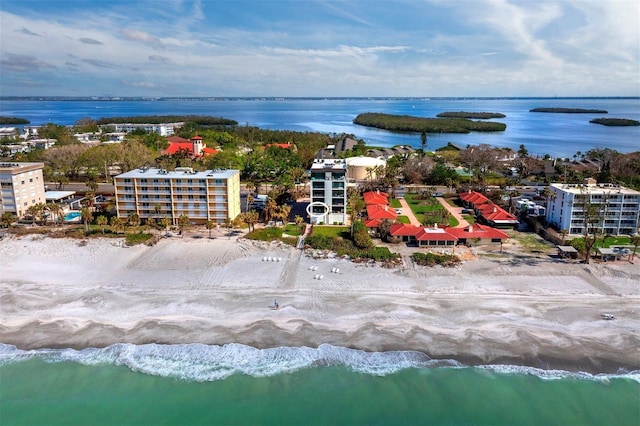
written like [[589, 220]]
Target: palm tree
[[165, 222], [87, 217], [102, 222], [270, 209], [423, 142], [7, 219], [133, 219], [157, 208], [116, 223], [56, 211], [210, 225], [251, 218], [183, 223]]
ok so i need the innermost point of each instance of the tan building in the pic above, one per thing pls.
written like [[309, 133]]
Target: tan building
[[22, 186], [156, 193]]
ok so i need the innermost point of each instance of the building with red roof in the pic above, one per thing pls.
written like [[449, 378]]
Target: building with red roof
[[487, 211], [376, 197], [479, 234], [422, 236], [195, 146], [445, 237], [287, 145]]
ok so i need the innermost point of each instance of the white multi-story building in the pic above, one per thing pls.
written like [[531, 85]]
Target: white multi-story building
[[157, 193], [21, 186], [163, 129], [618, 207], [328, 192]]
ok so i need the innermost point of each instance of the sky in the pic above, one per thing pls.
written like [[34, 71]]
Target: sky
[[304, 48]]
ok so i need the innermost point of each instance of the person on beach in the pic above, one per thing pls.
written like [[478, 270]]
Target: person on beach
[[275, 304]]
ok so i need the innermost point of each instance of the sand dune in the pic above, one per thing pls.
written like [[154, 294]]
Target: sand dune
[[57, 293]]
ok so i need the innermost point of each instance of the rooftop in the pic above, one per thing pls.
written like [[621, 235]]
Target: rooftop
[[179, 172], [599, 188]]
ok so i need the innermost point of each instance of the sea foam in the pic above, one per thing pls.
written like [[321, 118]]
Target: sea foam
[[199, 362]]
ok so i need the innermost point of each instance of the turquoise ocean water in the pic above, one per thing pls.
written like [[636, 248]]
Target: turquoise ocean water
[[236, 384]]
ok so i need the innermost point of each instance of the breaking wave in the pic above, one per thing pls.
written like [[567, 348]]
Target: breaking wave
[[203, 363]]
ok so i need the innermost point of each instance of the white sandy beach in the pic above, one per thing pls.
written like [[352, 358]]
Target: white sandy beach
[[57, 293]]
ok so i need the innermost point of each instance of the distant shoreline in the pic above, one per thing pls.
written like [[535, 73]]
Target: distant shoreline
[[285, 98]]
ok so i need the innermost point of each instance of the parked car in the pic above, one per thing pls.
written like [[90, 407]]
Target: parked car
[[398, 211]]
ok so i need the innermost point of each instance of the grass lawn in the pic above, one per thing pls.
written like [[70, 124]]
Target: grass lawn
[[403, 219], [469, 218], [453, 222], [293, 229], [332, 231], [395, 203], [425, 210]]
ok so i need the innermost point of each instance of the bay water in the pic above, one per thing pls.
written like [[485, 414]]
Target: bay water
[[559, 135], [236, 384]]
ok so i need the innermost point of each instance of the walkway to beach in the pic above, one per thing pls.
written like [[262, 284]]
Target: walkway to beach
[[455, 212], [406, 211]]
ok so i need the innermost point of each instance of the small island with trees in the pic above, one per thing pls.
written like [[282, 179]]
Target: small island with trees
[[202, 120], [406, 123], [13, 120], [570, 110], [472, 115], [615, 122]]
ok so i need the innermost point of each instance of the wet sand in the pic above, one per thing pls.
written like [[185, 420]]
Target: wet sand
[[541, 312]]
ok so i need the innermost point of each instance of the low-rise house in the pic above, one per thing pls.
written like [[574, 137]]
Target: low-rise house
[[478, 234], [194, 146], [487, 211]]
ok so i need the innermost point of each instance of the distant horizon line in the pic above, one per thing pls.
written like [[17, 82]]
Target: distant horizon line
[[284, 98]]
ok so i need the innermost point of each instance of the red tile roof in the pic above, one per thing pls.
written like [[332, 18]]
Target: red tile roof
[[478, 231], [375, 198], [280, 145], [377, 211], [490, 212], [422, 233], [176, 143], [404, 229]]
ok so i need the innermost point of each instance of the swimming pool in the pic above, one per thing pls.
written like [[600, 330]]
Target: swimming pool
[[72, 216]]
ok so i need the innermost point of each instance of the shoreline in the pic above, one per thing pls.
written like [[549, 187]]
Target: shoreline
[[542, 314]]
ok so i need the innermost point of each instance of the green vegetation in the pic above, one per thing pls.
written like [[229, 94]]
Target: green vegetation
[[13, 120], [332, 231], [403, 219], [293, 229], [570, 110], [139, 238], [395, 203], [346, 247], [406, 123], [265, 234], [607, 243], [615, 122], [201, 120], [432, 259], [429, 211], [476, 115]]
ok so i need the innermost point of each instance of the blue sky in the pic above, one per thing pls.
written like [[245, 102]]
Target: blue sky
[[320, 48]]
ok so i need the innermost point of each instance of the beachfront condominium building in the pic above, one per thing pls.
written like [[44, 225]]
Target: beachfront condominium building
[[156, 193], [615, 208], [328, 192], [22, 186]]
